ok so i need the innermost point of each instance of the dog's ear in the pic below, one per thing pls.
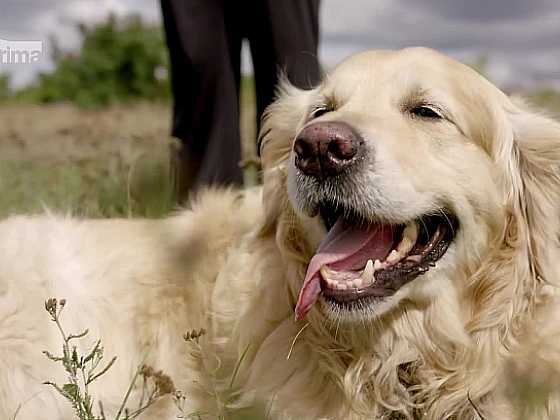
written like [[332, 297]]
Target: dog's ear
[[529, 150], [281, 122]]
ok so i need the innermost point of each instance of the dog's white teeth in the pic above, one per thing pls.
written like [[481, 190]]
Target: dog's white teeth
[[394, 257], [405, 245], [326, 272], [367, 274], [409, 237], [408, 240], [367, 277], [414, 258], [328, 276], [377, 265], [411, 231], [357, 283]]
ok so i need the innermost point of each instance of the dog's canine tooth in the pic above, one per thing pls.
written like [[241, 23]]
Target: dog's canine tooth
[[404, 246], [367, 275], [414, 258], [411, 231], [394, 256], [408, 240], [327, 274]]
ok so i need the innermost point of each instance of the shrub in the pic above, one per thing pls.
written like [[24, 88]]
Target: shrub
[[119, 59], [5, 92]]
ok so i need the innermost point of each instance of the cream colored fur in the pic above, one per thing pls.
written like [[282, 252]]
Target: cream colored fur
[[476, 337]]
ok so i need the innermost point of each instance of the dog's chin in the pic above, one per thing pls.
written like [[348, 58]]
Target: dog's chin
[[366, 311], [366, 266]]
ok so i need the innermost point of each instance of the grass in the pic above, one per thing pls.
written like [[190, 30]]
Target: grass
[[84, 369], [548, 99], [91, 189], [98, 163]]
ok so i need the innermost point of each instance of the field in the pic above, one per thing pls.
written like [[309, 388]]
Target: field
[[101, 163], [98, 163]]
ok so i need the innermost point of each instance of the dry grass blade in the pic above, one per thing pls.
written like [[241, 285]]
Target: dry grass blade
[[238, 365], [294, 341]]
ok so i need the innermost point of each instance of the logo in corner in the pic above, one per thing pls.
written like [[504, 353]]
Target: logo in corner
[[20, 52]]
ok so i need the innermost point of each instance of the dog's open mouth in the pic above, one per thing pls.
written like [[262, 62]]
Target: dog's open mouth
[[360, 261]]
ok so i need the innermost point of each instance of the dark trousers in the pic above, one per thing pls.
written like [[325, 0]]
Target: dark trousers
[[204, 39]]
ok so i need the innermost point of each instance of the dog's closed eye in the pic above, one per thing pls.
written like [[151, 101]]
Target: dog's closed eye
[[419, 103], [425, 111]]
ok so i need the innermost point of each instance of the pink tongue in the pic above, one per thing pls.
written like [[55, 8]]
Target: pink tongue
[[344, 248]]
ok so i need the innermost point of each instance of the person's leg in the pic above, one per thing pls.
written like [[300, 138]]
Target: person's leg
[[204, 84], [284, 38]]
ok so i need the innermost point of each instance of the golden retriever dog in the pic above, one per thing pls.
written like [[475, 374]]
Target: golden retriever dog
[[400, 262]]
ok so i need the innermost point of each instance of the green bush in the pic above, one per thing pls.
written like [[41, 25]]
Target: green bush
[[119, 60], [4, 87]]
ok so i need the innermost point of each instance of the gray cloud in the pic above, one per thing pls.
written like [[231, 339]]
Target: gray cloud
[[485, 10], [521, 38]]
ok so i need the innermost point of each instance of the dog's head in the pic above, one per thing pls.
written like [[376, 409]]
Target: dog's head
[[404, 178]]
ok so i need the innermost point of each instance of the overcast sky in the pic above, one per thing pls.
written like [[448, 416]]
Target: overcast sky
[[521, 38]]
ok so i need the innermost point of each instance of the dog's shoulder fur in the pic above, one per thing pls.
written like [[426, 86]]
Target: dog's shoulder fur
[[138, 285]]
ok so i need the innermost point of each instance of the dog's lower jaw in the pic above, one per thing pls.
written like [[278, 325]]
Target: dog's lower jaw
[[363, 312]]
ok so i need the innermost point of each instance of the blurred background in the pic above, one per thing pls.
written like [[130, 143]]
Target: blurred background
[[85, 113]]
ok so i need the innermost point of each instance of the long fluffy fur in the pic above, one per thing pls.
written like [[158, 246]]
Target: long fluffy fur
[[234, 265]]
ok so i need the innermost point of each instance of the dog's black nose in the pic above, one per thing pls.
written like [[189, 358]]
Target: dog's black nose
[[325, 149]]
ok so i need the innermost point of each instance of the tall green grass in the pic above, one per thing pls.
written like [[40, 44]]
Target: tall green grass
[[105, 162], [86, 189]]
